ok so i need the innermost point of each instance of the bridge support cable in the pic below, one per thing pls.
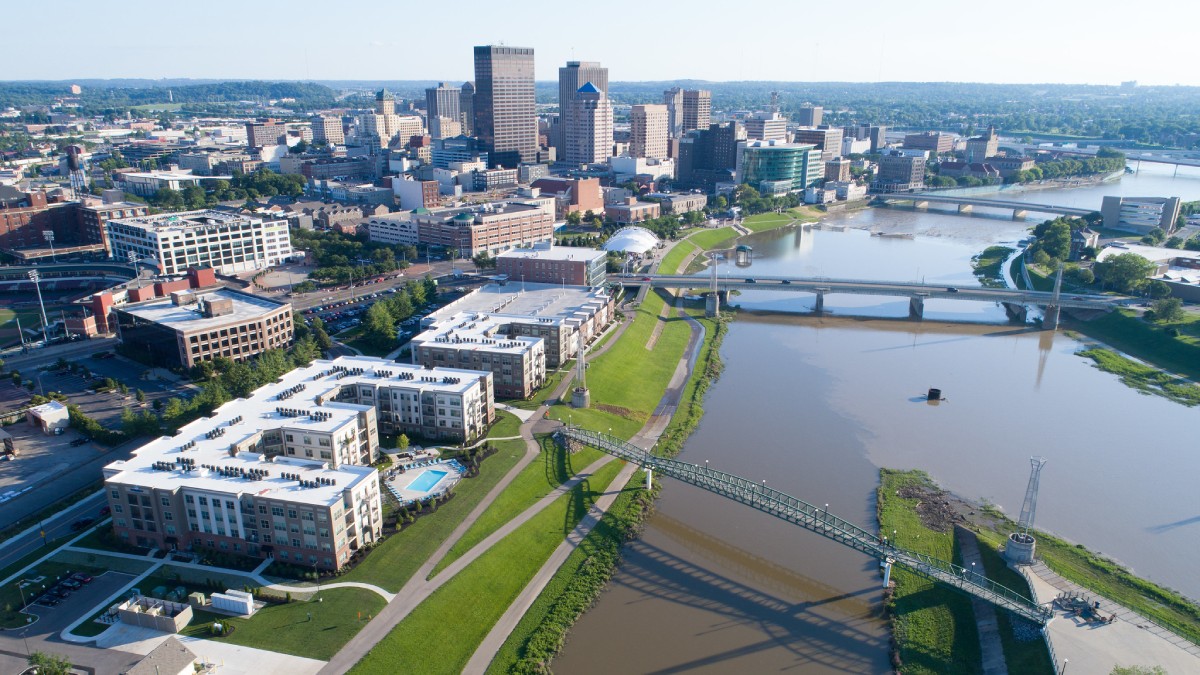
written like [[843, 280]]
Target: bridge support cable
[[815, 519]]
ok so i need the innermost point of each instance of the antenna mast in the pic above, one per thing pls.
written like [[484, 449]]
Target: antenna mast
[[1029, 508]]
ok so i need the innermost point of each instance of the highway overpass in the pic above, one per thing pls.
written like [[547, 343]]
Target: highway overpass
[[966, 204]]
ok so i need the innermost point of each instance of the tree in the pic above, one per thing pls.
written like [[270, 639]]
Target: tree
[[1126, 272], [299, 148], [1157, 289], [141, 396], [1137, 670], [1081, 275], [50, 664], [431, 288], [402, 442], [1057, 240], [1167, 310], [484, 261], [574, 218], [379, 327]]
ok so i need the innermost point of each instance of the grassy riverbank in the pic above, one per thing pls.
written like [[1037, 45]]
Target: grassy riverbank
[[1144, 378], [1105, 577], [1173, 346], [933, 628]]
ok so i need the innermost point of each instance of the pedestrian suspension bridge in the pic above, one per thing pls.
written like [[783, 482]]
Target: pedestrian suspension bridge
[[812, 518]]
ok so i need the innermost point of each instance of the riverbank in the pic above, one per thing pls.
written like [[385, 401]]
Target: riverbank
[[911, 504]]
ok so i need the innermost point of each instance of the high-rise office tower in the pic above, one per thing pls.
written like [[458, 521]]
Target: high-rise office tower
[[648, 130], [329, 130], [810, 115], [697, 109], [443, 102], [466, 108], [505, 106], [570, 78], [589, 133], [673, 99], [385, 103]]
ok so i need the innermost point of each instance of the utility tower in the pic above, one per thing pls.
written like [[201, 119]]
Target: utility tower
[[1020, 547], [1050, 321], [580, 396]]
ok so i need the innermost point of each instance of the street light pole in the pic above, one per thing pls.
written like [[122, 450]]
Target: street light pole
[[34, 276]]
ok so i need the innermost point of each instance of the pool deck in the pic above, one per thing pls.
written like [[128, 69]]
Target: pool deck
[[400, 485]]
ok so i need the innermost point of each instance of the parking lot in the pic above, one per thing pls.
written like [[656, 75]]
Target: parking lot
[[41, 457]]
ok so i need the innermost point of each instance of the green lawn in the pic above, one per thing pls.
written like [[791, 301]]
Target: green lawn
[[935, 627], [553, 467], [442, 633], [767, 221], [987, 266], [353, 337], [670, 264], [506, 424], [539, 634], [394, 561], [312, 629], [1144, 378], [713, 239], [627, 381]]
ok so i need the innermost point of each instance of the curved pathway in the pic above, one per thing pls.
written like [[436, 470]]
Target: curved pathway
[[326, 587]]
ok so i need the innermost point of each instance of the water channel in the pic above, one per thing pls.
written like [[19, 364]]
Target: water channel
[[815, 406]]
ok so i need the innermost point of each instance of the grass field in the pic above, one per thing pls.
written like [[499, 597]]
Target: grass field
[[394, 561], [935, 627], [540, 632], [1144, 378], [506, 424], [313, 629], [553, 467], [353, 337], [987, 266], [670, 264], [628, 380], [442, 633], [713, 239], [553, 378]]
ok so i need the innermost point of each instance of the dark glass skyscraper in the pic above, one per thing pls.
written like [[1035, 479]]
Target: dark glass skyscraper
[[505, 107]]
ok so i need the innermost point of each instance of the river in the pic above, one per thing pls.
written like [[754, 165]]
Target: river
[[815, 406]]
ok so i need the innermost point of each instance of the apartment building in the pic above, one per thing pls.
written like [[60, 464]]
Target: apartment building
[[766, 126], [476, 341], [649, 127], [94, 218], [899, 172], [263, 477], [230, 242], [329, 130], [265, 133], [193, 326], [632, 211], [826, 139], [680, 203], [934, 142]]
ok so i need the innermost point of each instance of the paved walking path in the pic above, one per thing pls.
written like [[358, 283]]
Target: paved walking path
[[1130, 640], [495, 639], [985, 612]]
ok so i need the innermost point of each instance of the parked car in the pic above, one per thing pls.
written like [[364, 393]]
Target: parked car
[[48, 600], [81, 524], [61, 592], [82, 578], [71, 584], [105, 511], [80, 441]]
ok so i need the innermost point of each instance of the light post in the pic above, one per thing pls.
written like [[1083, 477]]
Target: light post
[[132, 256], [49, 237], [35, 277], [1064, 668], [22, 590]]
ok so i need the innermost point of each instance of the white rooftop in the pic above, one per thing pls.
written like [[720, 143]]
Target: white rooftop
[[1156, 254], [474, 331], [205, 218], [189, 318], [301, 400], [553, 253], [515, 299]]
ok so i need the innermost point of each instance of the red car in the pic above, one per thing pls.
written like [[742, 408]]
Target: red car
[[647, 279], [82, 578]]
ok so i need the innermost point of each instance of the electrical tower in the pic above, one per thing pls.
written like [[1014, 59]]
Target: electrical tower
[[1021, 544]]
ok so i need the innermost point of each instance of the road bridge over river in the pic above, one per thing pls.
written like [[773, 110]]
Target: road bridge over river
[[967, 204], [814, 519], [1015, 302]]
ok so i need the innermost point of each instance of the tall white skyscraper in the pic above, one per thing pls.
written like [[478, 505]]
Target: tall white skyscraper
[[648, 131], [589, 133]]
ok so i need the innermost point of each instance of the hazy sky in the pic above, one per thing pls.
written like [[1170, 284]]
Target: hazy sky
[[1081, 41]]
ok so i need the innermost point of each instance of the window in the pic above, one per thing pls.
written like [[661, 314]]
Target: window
[[116, 494], [204, 501], [291, 513], [119, 509], [168, 516], [166, 501], [120, 522], [262, 508], [277, 510], [229, 505], [203, 515], [264, 524], [295, 543]]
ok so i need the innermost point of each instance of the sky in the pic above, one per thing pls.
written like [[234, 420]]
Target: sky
[[1072, 41]]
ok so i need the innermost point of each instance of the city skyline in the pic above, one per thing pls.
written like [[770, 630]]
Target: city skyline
[[868, 49]]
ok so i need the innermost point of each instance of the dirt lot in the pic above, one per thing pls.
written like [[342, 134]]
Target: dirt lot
[[41, 457]]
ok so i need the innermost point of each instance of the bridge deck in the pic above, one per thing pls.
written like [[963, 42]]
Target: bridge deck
[[814, 519]]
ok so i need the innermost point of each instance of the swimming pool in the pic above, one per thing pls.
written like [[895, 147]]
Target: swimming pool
[[426, 481]]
